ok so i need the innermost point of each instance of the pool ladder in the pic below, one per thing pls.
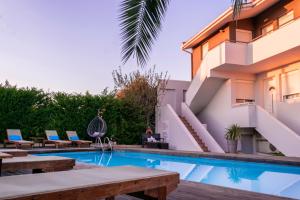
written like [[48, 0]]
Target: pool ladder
[[100, 144]]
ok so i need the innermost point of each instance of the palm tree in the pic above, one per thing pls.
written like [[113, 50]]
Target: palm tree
[[141, 21]]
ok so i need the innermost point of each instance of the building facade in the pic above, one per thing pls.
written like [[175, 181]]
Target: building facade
[[245, 72]]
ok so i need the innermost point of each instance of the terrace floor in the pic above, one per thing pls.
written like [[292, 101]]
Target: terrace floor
[[187, 190]]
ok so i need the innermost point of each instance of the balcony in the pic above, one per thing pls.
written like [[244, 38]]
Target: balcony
[[268, 52], [273, 50]]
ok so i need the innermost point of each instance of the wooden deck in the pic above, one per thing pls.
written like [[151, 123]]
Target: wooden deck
[[196, 191], [187, 190]]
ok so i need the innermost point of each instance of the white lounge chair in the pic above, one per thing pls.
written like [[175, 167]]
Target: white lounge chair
[[72, 136], [14, 136], [53, 138]]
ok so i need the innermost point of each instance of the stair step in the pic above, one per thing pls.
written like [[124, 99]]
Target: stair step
[[194, 134]]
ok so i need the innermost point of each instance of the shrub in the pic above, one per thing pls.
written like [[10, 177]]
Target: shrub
[[33, 111]]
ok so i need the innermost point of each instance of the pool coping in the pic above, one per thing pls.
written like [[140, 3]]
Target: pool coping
[[281, 160]]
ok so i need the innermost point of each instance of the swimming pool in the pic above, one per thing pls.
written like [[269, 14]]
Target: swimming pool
[[265, 178]]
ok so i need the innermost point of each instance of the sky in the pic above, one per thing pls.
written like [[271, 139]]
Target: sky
[[74, 45]]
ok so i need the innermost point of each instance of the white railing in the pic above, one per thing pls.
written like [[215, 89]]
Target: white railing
[[277, 133], [279, 41], [244, 54], [226, 52], [175, 132], [200, 129], [244, 114]]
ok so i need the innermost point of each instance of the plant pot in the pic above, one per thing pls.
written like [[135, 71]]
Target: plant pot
[[232, 146]]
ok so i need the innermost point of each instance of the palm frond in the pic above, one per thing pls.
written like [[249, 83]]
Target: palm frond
[[237, 7], [140, 22]]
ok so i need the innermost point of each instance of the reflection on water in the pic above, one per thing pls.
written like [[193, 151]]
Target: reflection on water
[[265, 178]]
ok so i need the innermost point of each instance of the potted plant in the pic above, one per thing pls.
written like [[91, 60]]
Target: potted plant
[[233, 133]]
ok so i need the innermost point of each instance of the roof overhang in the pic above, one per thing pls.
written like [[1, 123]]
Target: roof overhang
[[249, 10]]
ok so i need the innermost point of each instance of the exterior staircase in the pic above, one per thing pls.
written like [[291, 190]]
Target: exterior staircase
[[194, 134]]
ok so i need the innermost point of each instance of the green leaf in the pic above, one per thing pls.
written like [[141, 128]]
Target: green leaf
[[140, 22], [237, 7]]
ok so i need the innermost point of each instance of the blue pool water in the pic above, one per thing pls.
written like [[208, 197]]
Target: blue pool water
[[265, 178]]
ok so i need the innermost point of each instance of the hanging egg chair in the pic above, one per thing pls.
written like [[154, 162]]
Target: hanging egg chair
[[97, 127]]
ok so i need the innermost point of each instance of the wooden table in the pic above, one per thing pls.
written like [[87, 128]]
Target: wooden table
[[3, 155], [39, 140], [157, 145]]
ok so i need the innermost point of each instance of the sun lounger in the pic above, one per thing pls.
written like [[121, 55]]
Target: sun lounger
[[38, 163], [94, 183], [14, 136], [53, 138], [72, 135]]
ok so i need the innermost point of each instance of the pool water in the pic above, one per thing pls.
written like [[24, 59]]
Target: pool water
[[265, 178]]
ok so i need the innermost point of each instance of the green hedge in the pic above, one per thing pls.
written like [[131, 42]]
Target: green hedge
[[33, 111]]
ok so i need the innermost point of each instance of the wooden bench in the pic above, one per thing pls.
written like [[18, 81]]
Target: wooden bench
[[15, 152], [2, 156], [90, 184], [38, 163]]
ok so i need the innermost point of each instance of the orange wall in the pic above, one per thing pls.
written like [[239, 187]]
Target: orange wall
[[272, 14], [254, 24], [213, 41], [196, 60]]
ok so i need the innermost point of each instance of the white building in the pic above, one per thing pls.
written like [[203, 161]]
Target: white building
[[245, 73]]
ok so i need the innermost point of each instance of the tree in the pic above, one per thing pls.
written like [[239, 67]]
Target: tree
[[141, 89], [141, 21]]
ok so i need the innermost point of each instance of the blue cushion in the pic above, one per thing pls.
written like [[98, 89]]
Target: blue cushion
[[74, 138], [53, 137], [14, 137]]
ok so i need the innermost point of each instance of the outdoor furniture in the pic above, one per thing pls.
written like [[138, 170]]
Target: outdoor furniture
[[53, 138], [38, 163], [3, 155], [96, 183], [72, 135], [38, 140], [14, 136], [159, 143], [15, 152]]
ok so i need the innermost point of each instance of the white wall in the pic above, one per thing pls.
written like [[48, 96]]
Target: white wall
[[200, 129], [287, 111], [219, 114], [175, 132], [278, 134], [174, 94]]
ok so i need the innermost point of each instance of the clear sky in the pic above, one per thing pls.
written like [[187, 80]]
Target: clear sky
[[73, 45]]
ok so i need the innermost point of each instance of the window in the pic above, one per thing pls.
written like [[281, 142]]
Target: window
[[244, 91], [204, 49], [267, 29], [286, 18], [291, 96], [290, 83]]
